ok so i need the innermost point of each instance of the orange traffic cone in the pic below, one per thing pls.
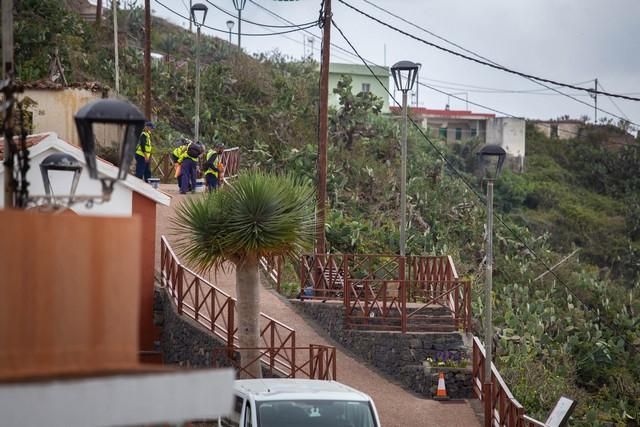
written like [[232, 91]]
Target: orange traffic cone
[[441, 394]]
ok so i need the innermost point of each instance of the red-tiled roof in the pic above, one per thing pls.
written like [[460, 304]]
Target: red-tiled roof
[[31, 141], [421, 111], [46, 84]]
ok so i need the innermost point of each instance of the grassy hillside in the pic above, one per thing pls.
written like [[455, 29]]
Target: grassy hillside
[[575, 333]]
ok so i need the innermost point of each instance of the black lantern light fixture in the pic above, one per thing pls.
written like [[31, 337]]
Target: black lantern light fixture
[[61, 162], [109, 112], [492, 157], [199, 14], [230, 25], [404, 75]]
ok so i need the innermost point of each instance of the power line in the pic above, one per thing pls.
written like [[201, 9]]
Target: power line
[[475, 192], [614, 103], [333, 45], [259, 24], [486, 63], [244, 34], [570, 96]]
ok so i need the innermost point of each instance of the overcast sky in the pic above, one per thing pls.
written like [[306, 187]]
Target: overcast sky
[[572, 41]]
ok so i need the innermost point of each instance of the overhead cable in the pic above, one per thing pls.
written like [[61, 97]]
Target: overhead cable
[[486, 63], [244, 34], [311, 23]]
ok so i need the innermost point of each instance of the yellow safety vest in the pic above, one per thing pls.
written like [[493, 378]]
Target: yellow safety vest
[[185, 154], [178, 151], [144, 145], [216, 162]]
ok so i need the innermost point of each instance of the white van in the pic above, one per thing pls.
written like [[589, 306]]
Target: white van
[[299, 403]]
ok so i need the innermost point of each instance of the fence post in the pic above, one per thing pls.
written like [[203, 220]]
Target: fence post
[[403, 281], [197, 305], [312, 365], [231, 327], [180, 288], [272, 345], [293, 355], [458, 312]]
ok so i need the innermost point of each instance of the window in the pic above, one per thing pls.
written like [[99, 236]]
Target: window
[[366, 87], [458, 134], [443, 133], [317, 413], [474, 132]]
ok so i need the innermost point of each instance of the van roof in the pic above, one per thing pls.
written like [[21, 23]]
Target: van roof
[[298, 389]]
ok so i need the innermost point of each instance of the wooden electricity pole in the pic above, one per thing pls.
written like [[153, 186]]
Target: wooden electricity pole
[[99, 12], [147, 59], [323, 129], [8, 73]]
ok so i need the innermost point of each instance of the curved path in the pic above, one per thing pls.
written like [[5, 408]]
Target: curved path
[[397, 407]]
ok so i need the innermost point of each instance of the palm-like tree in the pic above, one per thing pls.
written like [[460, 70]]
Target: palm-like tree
[[260, 215]]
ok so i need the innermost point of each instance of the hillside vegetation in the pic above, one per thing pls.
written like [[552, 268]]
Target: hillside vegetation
[[575, 331]]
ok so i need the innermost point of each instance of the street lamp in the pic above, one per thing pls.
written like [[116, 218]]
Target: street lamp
[[230, 25], [112, 112], [492, 157], [404, 76], [60, 162], [239, 5], [198, 15]]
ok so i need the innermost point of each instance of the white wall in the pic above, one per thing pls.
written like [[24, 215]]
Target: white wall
[[509, 133], [121, 198]]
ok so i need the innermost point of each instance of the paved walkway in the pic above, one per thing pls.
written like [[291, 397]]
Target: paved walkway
[[397, 407]]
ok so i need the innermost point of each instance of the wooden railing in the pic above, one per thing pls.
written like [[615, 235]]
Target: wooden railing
[[505, 410], [319, 361], [197, 298], [212, 308], [162, 165], [272, 267], [375, 289]]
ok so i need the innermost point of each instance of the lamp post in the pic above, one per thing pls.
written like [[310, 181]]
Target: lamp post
[[404, 76], [61, 162], [239, 5], [198, 15], [492, 157], [230, 25]]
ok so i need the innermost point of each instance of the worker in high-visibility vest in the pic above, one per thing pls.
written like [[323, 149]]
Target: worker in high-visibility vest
[[189, 162], [213, 167], [143, 153]]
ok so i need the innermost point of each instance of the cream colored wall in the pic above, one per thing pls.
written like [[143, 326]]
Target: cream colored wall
[[56, 108]]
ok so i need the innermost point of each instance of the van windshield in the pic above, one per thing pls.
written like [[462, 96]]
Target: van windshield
[[315, 413]]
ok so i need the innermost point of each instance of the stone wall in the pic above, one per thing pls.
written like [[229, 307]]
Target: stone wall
[[399, 355], [182, 341]]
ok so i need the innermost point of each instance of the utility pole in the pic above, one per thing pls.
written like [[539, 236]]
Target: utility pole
[[8, 74], [114, 11], [99, 12], [190, 18], [595, 106], [324, 128], [147, 59]]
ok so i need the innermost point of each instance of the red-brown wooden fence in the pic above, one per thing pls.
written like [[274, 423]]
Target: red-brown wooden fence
[[212, 308], [162, 166], [376, 289], [505, 410], [319, 361]]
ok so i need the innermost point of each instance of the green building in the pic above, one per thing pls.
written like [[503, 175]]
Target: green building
[[363, 81]]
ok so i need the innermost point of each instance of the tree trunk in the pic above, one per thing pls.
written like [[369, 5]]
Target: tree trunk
[[248, 309]]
